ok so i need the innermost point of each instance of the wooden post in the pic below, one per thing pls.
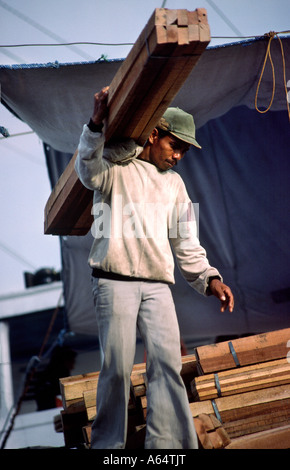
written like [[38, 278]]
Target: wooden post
[[155, 69]]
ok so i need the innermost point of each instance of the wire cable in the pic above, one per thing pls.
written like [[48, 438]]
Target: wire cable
[[16, 255], [41, 28], [91, 43], [225, 18]]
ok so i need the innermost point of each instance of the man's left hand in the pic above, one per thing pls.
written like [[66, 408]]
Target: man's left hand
[[224, 293]]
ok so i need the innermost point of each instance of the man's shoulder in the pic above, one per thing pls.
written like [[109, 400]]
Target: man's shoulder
[[122, 151]]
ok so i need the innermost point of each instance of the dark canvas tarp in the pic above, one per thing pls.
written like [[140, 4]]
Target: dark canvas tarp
[[56, 99], [240, 179]]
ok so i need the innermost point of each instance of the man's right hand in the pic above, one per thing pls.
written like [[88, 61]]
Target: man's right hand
[[100, 106]]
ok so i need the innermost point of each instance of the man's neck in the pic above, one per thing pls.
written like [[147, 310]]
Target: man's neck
[[144, 155]]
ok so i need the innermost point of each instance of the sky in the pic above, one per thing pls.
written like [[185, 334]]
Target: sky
[[40, 32]]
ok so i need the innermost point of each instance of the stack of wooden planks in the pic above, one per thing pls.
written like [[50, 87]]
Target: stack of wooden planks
[[74, 415], [158, 64], [246, 385], [238, 392], [79, 394], [243, 379]]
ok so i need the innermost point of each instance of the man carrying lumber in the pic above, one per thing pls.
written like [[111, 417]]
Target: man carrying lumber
[[133, 266]]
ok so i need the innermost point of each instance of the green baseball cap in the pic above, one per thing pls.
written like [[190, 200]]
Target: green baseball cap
[[180, 124]]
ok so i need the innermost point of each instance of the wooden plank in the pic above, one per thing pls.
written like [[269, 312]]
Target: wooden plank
[[90, 400], [138, 381], [278, 438], [174, 73], [257, 423], [73, 388], [69, 192], [210, 432], [243, 379], [188, 368], [240, 414], [138, 384], [72, 425], [152, 53], [201, 431], [246, 405], [249, 350], [156, 67], [153, 30], [79, 391]]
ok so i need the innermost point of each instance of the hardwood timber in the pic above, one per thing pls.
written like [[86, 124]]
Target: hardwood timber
[[174, 73], [90, 398], [73, 388], [249, 350], [259, 418], [158, 64], [243, 379], [220, 438], [188, 368], [267, 420], [68, 192], [210, 432], [72, 425], [138, 384], [273, 400], [278, 438], [79, 391], [201, 431], [144, 406]]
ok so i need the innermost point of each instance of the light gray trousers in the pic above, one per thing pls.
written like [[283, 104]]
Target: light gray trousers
[[120, 306]]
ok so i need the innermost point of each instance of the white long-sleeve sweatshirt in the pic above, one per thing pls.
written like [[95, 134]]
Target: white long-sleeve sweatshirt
[[140, 215]]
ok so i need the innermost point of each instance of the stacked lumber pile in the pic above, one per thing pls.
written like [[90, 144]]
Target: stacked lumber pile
[[79, 394], [158, 64], [238, 392], [246, 386]]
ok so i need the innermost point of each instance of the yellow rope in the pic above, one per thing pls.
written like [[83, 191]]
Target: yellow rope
[[271, 35]]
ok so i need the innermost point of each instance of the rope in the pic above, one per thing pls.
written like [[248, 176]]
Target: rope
[[271, 35]]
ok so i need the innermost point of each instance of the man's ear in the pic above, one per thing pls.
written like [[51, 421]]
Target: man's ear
[[153, 136]]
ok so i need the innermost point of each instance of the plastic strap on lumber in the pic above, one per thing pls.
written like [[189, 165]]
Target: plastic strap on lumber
[[232, 349], [217, 384], [216, 411]]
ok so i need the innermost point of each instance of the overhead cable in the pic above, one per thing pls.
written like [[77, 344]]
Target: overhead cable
[[225, 18], [13, 253], [41, 28], [91, 43]]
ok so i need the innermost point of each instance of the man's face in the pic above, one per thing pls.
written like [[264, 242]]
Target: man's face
[[166, 151]]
